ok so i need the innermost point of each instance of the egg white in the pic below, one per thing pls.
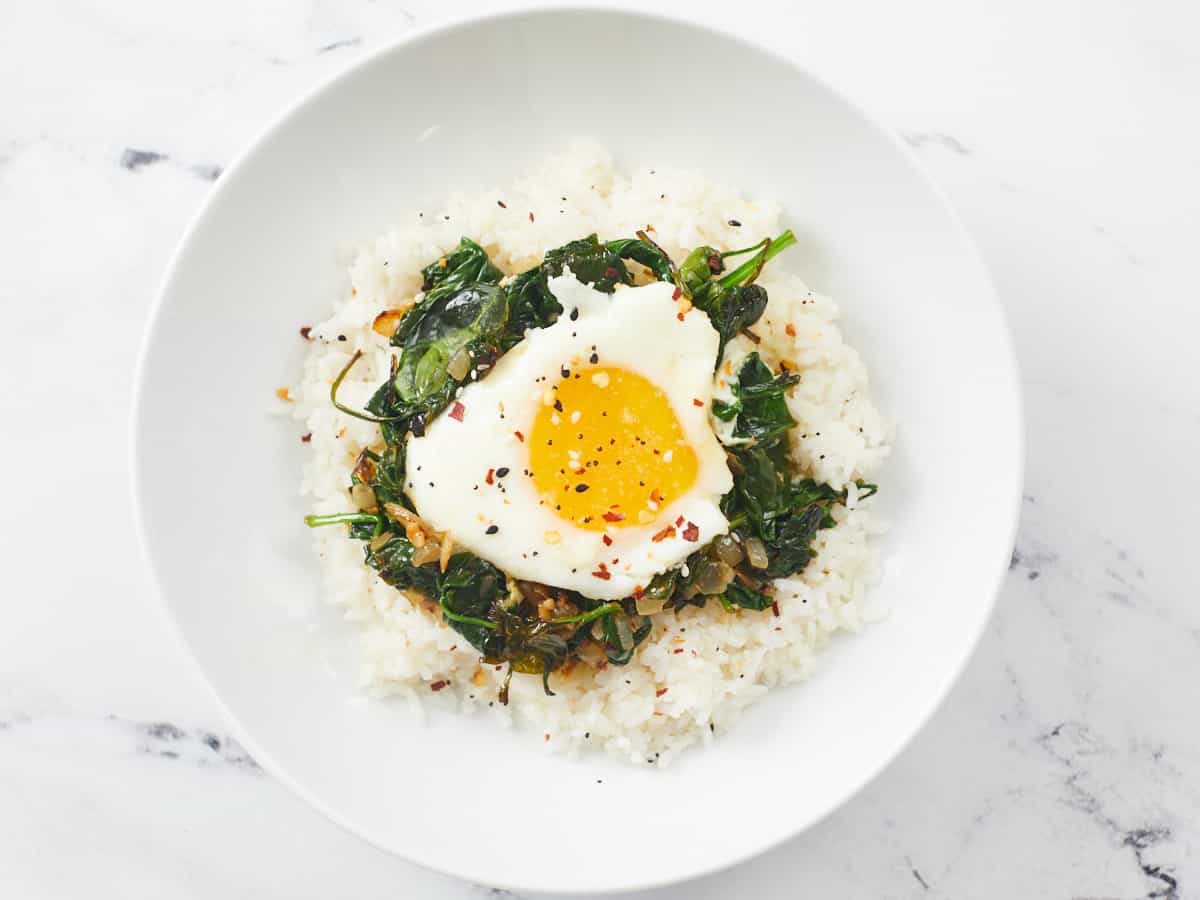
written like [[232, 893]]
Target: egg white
[[635, 328]]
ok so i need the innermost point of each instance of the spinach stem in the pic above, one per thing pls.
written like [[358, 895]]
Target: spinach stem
[[358, 414], [335, 518], [466, 620], [751, 267], [759, 246], [670, 263], [606, 609]]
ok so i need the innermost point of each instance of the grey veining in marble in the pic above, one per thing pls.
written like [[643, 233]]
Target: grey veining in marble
[[1064, 764]]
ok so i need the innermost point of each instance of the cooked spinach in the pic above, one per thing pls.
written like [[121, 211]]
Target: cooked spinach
[[468, 317], [465, 265], [533, 306], [602, 265], [737, 594], [732, 301], [761, 405]]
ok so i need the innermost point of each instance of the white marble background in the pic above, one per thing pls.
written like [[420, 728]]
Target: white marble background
[[1067, 761]]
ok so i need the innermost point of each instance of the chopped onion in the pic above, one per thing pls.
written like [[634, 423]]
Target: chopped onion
[[388, 321], [728, 549], [447, 543], [426, 553], [756, 553], [624, 634], [363, 496], [715, 577], [413, 526], [381, 541], [592, 653], [459, 365], [648, 606]]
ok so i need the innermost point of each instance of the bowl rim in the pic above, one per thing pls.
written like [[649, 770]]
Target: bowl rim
[[433, 31]]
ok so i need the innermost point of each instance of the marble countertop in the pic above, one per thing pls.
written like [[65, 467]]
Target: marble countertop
[[1066, 763]]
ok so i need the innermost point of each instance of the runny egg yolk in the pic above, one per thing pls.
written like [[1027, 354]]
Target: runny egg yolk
[[606, 449]]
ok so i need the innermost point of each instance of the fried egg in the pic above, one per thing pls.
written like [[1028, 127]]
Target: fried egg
[[585, 459]]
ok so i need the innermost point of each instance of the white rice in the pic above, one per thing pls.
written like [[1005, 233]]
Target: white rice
[[699, 668]]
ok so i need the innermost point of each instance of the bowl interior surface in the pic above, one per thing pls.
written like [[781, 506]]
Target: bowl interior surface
[[466, 108]]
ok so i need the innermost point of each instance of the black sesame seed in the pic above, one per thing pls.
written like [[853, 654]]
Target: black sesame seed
[[502, 471], [594, 358], [341, 337], [492, 529], [735, 223], [574, 314], [558, 405], [566, 373], [580, 488]]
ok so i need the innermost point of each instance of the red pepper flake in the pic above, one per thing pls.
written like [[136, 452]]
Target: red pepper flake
[[696, 401], [679, 521], [668, 532], [677, 650], [456, 411], [305, 438], [679, 316], [520, 437], [438, 685], [490, 477], [531, 219], [546, 736], [611, 272], [602, 573], [775, 608], [607, 540], [305, 332], [611, 516], [691, 533], [655, 495], [677, 293], [638, 592], [660, 692], [791, 332]]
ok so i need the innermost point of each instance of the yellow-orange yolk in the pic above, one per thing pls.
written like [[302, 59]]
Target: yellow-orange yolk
[[607, 450]]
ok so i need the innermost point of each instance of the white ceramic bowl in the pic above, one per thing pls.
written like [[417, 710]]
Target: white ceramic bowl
[[469, 106]]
